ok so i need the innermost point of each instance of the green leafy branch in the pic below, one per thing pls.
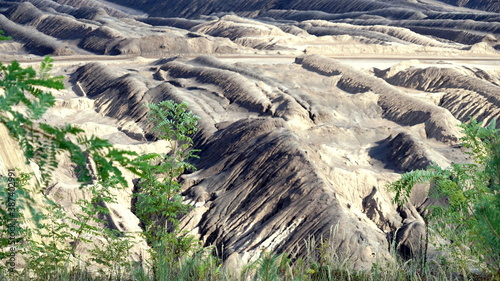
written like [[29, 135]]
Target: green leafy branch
[[159, 201], [24, 102], [24, 98]]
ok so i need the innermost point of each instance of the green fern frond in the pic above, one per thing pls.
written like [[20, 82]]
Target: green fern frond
[[46, 67]]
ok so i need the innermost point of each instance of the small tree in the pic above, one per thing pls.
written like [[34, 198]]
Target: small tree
[[159, 202], [470, 218]]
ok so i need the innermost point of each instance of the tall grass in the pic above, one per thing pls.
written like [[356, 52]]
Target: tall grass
[[320, 263], [321, 260]]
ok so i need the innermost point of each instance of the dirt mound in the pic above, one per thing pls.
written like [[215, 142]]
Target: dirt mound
[[108, 40], [10, 47], [24, 13], [406, 153], [459, 36], [382, 14], [483, 48], [175, 22], [190, 9], [397, 105], [234, 87], [466, 104], [90, 13], [63, 27], [378, 32], [434, 78], [112, 92], [466, 96], [161, 44], [215, 63], [234, 28], [487, 5], [95, 4], [33, 40], [286, 197], [99, 28], [47, 5], [119, 96], [101, 41], [464, 15], [487, 27]]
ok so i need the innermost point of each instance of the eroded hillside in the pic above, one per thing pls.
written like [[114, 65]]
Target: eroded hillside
[[307, 108]]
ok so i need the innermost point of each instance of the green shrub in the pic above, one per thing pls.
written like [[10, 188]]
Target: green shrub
[[470, 219]]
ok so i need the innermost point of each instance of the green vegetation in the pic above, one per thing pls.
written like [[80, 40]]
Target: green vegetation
[[467, 215], [159, 201]]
